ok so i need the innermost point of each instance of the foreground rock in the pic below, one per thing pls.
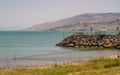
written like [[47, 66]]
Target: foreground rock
[[91, 40]]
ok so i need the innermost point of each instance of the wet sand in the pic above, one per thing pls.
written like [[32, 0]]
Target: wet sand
[[51, 59]]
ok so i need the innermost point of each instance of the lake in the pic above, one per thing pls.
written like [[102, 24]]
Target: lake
[[38, 48]]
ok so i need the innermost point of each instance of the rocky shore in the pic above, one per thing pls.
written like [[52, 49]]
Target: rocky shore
[[91, 40]]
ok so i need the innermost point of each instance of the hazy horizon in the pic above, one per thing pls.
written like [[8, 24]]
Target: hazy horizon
[[25, 13]]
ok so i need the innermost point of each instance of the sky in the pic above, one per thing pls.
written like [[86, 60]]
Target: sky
[[19, 14]]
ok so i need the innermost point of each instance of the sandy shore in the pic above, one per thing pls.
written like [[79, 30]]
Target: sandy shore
[[73, 63], [42, 65]]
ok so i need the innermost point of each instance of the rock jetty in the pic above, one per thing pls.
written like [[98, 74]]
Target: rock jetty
[[91, 40]]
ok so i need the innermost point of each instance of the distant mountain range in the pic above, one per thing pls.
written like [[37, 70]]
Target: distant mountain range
[[98, 21]]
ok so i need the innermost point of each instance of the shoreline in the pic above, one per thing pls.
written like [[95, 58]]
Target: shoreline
[[109, 65], [61, 64]]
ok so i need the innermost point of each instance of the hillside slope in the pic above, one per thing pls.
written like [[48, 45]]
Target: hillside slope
[[98, 21]]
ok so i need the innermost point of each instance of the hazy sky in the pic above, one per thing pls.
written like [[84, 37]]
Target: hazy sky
[[18, 14]]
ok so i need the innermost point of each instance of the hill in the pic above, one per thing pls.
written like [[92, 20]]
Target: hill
[[99, 21]]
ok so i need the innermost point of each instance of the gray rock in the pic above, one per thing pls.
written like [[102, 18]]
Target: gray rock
[[84, 40]]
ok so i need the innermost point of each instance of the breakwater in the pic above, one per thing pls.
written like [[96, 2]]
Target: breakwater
[[91, 40]]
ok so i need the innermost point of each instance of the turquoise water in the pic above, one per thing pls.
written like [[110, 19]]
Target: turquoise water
[[99, 32], [23, 43], [38, 48]]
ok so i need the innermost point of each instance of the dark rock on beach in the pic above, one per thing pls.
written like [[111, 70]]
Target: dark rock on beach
[[91, 40]]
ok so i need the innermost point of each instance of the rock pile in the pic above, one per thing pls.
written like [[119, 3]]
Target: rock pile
[[91, 40]]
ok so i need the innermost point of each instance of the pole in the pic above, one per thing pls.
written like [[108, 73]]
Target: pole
[[91, 29]]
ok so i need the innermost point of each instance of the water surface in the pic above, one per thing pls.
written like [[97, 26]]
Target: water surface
[[37, 47]]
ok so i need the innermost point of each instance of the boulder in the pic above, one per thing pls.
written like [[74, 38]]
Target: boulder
[[84, 40]]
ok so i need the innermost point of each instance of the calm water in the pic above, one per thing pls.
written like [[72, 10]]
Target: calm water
[[41, 46], [29, 43]]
